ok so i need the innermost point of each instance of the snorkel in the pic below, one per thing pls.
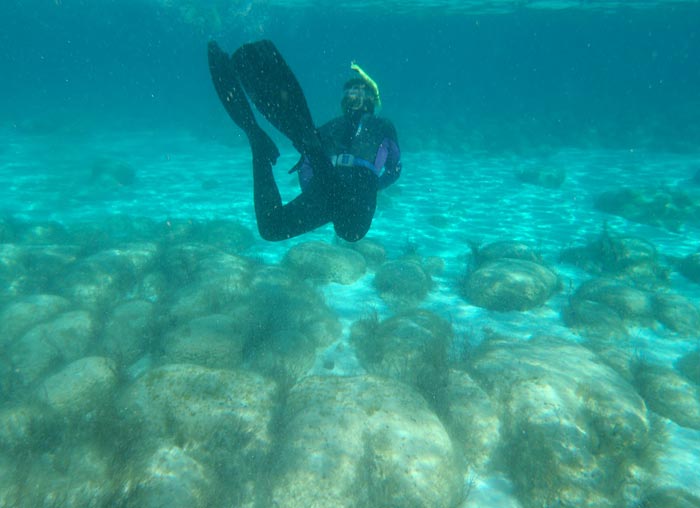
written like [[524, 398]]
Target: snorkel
[[372, 84], [360, 94]]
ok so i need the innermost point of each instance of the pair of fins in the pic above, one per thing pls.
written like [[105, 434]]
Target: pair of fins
[[259, 71]]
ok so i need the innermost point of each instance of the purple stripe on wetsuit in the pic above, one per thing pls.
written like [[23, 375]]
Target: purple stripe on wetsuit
[[389, 158], [306, 173], [382, 154]]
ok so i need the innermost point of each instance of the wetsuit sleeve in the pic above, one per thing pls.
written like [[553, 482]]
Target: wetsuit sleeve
[[392, 164]]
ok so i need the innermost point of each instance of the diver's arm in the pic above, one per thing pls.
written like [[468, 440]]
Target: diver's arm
[[304, 170], [303, 167]]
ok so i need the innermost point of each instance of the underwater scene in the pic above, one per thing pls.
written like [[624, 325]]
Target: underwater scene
[[520, 327]]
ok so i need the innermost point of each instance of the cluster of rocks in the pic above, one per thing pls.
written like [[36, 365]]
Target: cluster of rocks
[[663, 207], [630, 289], [562, 424], [608, 307], [626, 258], [412, 348], [153, 365], [573, 431], [402, 283], [171, 370]]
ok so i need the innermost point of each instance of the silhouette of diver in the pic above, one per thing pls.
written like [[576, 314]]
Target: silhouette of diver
[[343, 164]]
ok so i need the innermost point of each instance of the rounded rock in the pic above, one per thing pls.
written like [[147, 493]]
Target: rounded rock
[[229, 236], [572, 427], [677, 313], [211, 283], [373, 251], [83, 387], [412, 348], [42, 233], [505, 249], [669, 394], [103, 278], [211, 341], [326, 263], [172, 478], [284, 322], [23, 428], [593, 319], [629, 303], [363, 441], [76, 476], [473, 419], [18, 317], [547, 176], [223, 415], [180, 262], [63, 339], [510, 285], [128, 331], [14, 280], [402, 283], [670, 497]]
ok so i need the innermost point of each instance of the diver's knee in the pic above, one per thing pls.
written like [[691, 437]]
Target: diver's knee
[[269, 234], [352, 234]]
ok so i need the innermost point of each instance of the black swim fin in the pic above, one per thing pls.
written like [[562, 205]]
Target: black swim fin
[[229, 88], [276, 93], [232, 96]]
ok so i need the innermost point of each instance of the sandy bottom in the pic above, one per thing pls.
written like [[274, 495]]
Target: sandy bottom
[[441, 203]]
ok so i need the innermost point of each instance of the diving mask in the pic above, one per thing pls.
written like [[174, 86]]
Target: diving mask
[[355, 98]]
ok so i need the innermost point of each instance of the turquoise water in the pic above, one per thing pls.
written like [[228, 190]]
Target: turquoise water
[[156, 352]]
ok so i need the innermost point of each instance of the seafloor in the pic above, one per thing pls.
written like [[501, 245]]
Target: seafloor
[[157, 352]]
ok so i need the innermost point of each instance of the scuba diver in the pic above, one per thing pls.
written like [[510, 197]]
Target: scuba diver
[[343, 164]]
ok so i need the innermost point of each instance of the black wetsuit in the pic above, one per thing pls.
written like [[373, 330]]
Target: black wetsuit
[[343, 163], [344, 193]]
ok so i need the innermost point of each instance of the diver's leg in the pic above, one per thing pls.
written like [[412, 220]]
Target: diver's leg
[[276, 93], [229, 89], [231, 94], [276, 221], [354, 203]]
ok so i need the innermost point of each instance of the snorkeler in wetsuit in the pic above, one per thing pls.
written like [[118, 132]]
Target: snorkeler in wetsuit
[[343, 164]]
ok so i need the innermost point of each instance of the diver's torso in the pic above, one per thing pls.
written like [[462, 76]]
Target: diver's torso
[[342, 136]]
